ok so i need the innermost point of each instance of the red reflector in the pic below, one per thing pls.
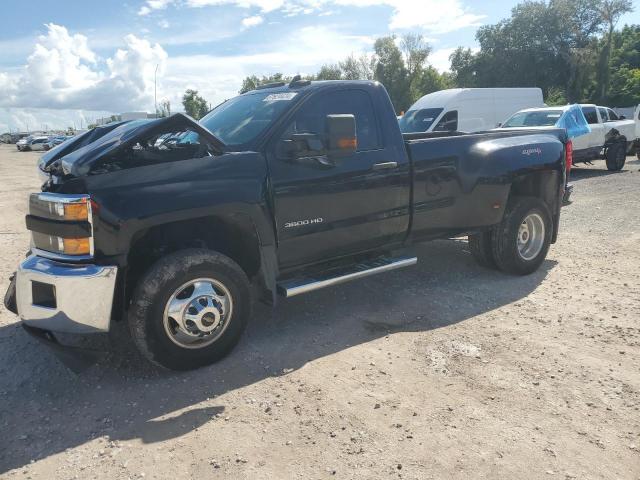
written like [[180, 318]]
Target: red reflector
[[568, 155], [94, 206]]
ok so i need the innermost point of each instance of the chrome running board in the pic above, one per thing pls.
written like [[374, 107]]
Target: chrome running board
[[298, 286]]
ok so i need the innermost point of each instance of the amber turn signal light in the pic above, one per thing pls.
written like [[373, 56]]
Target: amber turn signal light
[[351, 143], [76, 246], [76, 211]]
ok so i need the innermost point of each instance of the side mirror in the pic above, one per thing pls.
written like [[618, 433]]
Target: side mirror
[[622, 117], [342, 140], [499, 124]]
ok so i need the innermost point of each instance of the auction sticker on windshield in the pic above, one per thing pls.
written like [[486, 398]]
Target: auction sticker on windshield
[[274, 97]]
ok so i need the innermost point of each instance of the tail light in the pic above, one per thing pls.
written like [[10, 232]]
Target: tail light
[[568, 155]]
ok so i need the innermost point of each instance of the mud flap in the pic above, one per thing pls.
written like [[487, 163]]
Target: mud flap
[[76, 359], [10, 296], [566, 200]]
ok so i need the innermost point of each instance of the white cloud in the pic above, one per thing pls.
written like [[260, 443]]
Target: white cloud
[[300, 51], [32, 119], [433, 16], [263, 5], [252, 21], [440, 58], [154, 5], [63, 72]]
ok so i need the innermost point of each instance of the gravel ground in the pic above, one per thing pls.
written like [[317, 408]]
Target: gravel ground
[[442, 370]]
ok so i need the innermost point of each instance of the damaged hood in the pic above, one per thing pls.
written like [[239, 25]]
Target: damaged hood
[[76, 156]]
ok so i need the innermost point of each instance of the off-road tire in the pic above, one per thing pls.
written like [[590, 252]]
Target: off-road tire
[[481, 249], [616, 156], [505, 236], [153, 290]]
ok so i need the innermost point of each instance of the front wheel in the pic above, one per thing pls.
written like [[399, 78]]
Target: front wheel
[[521, 241], [190, 309]]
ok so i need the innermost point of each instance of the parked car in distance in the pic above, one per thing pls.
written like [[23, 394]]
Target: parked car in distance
[[21, 144], [37, 144], [467, 109], [280, 191], [55, 141], [24, 144], [611, 137]]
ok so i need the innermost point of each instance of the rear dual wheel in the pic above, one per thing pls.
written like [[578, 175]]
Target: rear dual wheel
[[520, 242]]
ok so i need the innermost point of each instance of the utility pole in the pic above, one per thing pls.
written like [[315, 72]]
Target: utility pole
[[155, 91]]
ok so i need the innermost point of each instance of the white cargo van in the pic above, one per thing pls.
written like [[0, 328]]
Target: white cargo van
[[468, 109]]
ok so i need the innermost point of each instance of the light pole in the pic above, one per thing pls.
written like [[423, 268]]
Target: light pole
[[155, 91]]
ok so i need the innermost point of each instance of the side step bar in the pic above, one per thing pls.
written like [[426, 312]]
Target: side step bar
[[298, 286]]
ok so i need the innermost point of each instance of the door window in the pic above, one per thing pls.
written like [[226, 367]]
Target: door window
[[590, 114], [448, 123], [603, 114], [612, 115], [311, 117]]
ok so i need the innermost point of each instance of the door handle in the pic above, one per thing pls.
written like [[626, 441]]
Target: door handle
[[385, 165]]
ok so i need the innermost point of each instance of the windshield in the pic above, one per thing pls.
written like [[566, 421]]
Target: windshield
[[415, 121], [539, 118], [242, 119]]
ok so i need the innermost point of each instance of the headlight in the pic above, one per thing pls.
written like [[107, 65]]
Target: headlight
[[61, 224]]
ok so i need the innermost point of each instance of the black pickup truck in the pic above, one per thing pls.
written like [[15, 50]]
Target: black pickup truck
[[176, 226]]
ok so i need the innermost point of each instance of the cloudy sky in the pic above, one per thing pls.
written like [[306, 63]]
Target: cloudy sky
[[68, 62]]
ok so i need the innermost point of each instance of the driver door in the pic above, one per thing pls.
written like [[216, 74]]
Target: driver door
[[326, 208]]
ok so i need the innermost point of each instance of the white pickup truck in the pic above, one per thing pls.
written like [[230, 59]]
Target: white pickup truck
[[611, 137]]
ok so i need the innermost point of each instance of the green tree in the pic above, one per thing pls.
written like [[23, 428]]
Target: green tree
[[329, 72], [463, 67], [252, 82], [429, 80], [555, 97], [358, 68], [572, 30], [390, 70], [194, 105], [611, 11], [545, 44], [415, 51], [624, 87], [165, 109]]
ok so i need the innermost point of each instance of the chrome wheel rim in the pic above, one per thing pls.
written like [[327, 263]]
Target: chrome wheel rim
[[531, 236], [197, 313]]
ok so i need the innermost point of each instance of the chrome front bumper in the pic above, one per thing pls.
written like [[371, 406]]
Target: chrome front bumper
[[63, 297]]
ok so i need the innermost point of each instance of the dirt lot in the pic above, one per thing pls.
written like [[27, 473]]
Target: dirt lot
[[443, 370]]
